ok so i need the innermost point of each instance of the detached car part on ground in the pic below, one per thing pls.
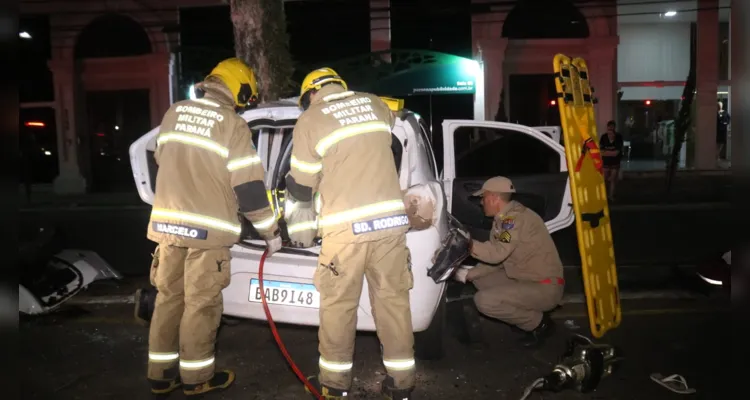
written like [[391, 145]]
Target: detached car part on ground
[[435, 236], [51, 275]]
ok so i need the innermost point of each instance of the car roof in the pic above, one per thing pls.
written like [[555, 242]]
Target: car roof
[[290, 102]]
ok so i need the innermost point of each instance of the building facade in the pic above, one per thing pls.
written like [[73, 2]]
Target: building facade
[[638, 55], [104, 52]]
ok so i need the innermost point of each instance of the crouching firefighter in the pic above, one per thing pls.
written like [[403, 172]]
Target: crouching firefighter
[[208, 170], [520, 276], [342, 152]]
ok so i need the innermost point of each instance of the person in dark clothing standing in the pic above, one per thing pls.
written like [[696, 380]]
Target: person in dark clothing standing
[[610, 144], [722, 123]]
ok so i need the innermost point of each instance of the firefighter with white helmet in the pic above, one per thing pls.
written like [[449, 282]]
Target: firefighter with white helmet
[[208, 172], [342, 168]]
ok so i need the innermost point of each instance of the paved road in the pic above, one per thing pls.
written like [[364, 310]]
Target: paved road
[[651, 235], [99, 353]]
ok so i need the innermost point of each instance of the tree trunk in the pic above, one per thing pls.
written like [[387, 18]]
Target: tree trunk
[[261, 41]]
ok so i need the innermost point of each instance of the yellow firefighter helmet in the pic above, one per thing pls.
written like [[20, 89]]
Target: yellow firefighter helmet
[[315, 80], [239, 78]]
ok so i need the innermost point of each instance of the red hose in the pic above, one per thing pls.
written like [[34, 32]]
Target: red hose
[[276, 332]]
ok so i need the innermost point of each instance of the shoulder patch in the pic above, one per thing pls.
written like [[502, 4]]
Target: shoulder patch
[[508, 223], [504, 237]]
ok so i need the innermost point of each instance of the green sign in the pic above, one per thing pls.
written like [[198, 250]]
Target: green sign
[[409, 73]]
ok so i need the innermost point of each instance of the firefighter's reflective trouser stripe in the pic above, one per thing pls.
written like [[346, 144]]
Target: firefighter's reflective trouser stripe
[[384, 263], [187, 312]]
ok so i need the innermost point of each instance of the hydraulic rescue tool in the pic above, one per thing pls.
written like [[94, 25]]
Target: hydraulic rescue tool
[[583, 365], [595, 244]]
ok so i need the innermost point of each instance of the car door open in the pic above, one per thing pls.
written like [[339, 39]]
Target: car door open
[[477, 150]]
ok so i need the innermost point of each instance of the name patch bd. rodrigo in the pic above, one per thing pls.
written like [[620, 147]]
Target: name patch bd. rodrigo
[[380, 224]]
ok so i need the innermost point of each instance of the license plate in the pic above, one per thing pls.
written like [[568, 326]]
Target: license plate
[[285, 293]]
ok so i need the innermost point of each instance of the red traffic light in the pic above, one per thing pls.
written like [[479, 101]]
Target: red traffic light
[[552, 102], [648, 102], [35, 124]]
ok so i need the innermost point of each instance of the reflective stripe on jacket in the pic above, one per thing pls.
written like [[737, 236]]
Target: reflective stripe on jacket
[[208, 172]]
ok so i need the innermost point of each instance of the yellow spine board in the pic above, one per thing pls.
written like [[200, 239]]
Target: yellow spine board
[[589, 194]]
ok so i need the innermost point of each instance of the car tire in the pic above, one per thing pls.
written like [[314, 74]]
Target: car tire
[[428, 344]]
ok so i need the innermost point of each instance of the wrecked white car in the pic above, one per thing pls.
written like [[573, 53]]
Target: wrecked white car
[[51, 275], [292, 268]]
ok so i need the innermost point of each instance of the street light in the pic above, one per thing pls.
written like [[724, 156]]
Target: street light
[[670, 13], [24, 35]]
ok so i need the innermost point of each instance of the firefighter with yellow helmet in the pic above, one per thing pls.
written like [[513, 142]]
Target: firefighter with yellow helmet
[[342, 167], [208, 172]]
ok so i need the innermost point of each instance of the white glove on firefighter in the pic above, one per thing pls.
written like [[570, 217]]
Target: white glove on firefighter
[[273, 245], [461, 274], [301, 222]]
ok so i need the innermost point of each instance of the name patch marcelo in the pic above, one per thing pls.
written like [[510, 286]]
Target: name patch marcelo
[[379, 224], [180, 230]]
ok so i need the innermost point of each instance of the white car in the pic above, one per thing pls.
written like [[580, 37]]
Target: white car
[[289, 273]]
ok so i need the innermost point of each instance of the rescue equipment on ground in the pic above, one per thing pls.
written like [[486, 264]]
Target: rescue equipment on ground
[[454, 249], [582, 367], [593, 225], [275, 332]]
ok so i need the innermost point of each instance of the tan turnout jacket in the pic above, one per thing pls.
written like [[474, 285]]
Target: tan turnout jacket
[[208, 172], [342, 151]]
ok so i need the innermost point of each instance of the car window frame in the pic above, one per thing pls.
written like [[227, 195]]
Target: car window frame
[[505, 132], [428, 144]]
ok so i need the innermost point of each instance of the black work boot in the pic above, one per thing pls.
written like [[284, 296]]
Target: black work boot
[[164, 387], [536, 337], [325, 392], [391, 393], [220, 381], [145, 299]]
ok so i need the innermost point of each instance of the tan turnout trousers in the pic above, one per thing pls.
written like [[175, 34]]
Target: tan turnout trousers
[[339, 277], [517, 302], [187, 312]]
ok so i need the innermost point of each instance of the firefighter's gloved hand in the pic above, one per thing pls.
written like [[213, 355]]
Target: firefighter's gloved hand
[[461, 274], [301, 224], [273, 245]]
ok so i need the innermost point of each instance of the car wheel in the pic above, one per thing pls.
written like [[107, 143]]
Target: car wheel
[[428, 344]]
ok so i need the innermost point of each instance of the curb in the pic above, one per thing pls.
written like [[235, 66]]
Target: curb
[[73, 207], [567, 299], [612, 207], [645, 295]]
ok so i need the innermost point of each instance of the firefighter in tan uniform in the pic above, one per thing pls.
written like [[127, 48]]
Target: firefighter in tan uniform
[[520, 275], [208, 172], [342, 167]]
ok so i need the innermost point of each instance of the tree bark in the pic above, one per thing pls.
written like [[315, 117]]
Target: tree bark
[[261, 40]]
